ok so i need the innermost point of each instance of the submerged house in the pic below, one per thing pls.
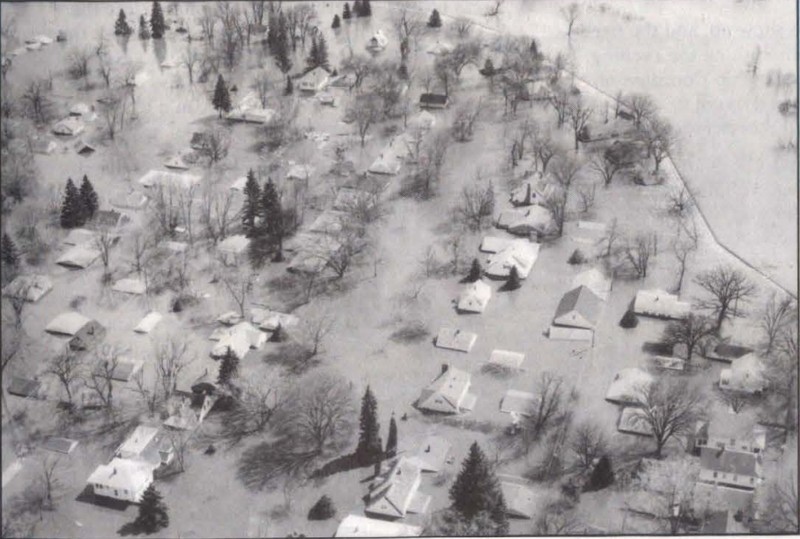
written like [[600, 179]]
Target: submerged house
[[475, 297], [28, 287], [660, 304], [396, 493], [433, 101], [314, 81], [520, 254], [578, 308], [628, 385], [448, 393], [69, 126], [377, 42], [747, 374], [360, 526]]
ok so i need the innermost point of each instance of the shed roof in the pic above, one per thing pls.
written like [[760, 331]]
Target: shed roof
[[79, 236], [68, 323]]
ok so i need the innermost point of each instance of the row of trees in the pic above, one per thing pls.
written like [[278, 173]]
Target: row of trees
[[79, 205]]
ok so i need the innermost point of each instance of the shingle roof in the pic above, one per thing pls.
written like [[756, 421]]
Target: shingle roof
[[582, 300]]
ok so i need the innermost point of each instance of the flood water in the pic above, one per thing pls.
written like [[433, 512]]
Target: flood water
[[691, 56]]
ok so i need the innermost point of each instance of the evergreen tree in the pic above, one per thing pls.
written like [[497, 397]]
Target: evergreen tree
[[8, 251], [89, 201], [476, 489], [221, 99], [157, 24], [369, 443], [336, 22], [366, 9], [475, 271], [272, 216], [318, 56], [281, 50], [534, 48], [391, 441], [488, 68], [72, 212], [629, 320], [513, 279], [402, 71], [252, 201], [346, 12], [121, 27], [602, 475], [322, 510], [435, 20], [229, 367], [144, 28], [289, 89], [152, 511], [272, 32], [357, 8]]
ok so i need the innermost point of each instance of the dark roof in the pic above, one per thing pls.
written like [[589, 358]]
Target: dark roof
[[732, 351], [726, 460], [23, 387], [435, 99], [580, 299]]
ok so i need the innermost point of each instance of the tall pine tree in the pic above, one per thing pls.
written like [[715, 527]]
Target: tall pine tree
[[391, 440], [366, 9], [72, 212], [8, 251], [229, 367], [435, 20], [476, 489], [252, 201], [272, 217], [157, 24], [144, 28], [89, 201], [152, 511], [357, 8], [369, 446], [121, 27], [221, 99], [318, 56], [336, 22], [281, 50], [346, 12]]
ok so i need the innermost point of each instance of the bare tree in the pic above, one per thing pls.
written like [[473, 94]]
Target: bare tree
[[179, 441], [207, 22], [777, 314], [338, 250], [690, 331], [408, 24], [142, 246], [669, 408], [389, 88], [681, 249], [679, 202], [665, 491], [727, 287], [549, 405], [229, 42], [68, 369], [257, 9], [477, 203], [100, 379], [103, 241], [316, 329], [113, 111], [152, 396], [78, 64], [586, 195], [465, 53], [262, 85], [638, 251], [185, 204], [190, 60], [494, 11], [752, 65], [216, 213], [571, 14], [560, 101], [239, 285], [579, 115], [165, 210], [777, 505], [171, 357], [105, 68], [49, 481], [642, 107], [365, 111], [587, 443], [217, 143], [37, 102], [360, 66], [606, 168], [566, 169], [462, 26], [431, 163], [660, 139], [464, 119], [545, 148], [259, 401]]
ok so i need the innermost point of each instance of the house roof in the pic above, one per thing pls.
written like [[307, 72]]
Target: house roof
[[595, 280], [59, 445], [705, 495], [746, 373], [579, 300], [432, 454], [300, 172], [730, 460], [147, 323], [71, 125], [728, 352], [627, 385], [521, 502], [122, 474], [475, 297], [494, 244], [68, 323], [269, 320], [506, 358], [393, 493], [136, 441], [176, 161], [130, 286], [379, 39], [347, 198], [79, 236], [165, 178], [433, 99], [521, 254], [30, 287], [83, 147], [526, 220], [330, 222], [657, 302], [518, 402], [133, 200], [563, 333], [237, 341], [253, 115], [23, 387], [386, 163], [449, 389], [239, 184], [359, 526], [630, 421], [456, 339]]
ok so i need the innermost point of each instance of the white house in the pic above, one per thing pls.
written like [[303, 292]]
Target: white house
[[475, 297], [69, 126], [314, 81], [521, 254], [121, 479], [533, 219], [521, 502], [378, 41], [628, 385], [456, 339], [660, 304], [595, 280], [448, 393], [578, 308]]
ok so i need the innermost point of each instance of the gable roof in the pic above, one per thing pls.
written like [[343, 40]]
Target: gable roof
[[727, 352], [79, 236], [393, 493], [507, 358], [30, 287], [79, 257], [23, 387], [165, 178], [521, 502], [626, 386], [130, 286], [432, 454], [110, 218], [455, 339], [595, 280], [521, 254], [727, 459], [386, 163], [360, 526], [71, 125], [68, 323], [447, 391], [581, 301], [136, 442], [475, 297], [518, 402], [147, 323]]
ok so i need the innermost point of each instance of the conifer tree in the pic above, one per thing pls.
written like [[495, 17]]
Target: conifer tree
[[8, 251], [121, 27], [435, 20], [252, 201], [602, 475], [357, 8], [152, 511], [513, 279], [289, 89], [346, 12], [72, 211], [229, 367], [89, 201], [366, 9], [402, 71], [488, 68], [369, 442], [157, 24], [336, 22], [391, 440], [318, 56], [281, 48], [144, 28], [221, 99], [534, 49], [476, 489], [272, 217], [475, 271]]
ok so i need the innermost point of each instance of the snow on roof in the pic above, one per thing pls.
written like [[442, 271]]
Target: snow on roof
[[521, 254], [579, 307], [149, 322], [393, 494], [270, 320], [165, 178], [440, 48], [252, 115], [79, 236], [239, 184], [71, 125], [68, 323], [447, 393], [122, 474], [28, 287], [229, 318], [562, 333], [423, 121], [133, 200], [660, 304], [628, 385], [631, 422], [455, 339], [255, 337], [506, 358], [80, 257], [130, 286], [300, 172], [359, 526], [521, 502], [475, 297], [518, 402], [531, 219], [595, 280], [378, 40], [330, 222], [494, 244], [79, 109], [236, 244], [237, 341]]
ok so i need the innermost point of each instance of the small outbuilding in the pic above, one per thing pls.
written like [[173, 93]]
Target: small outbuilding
[[69, 127], [521, 502], [475, 297], [433, 101], [455, 339], [631, 421], [24, 387], [628, 385], [506, 359], [84, 148]]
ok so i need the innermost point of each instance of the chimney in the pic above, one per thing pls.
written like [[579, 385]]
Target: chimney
[[428, 449], [445, 366], [114, 472]]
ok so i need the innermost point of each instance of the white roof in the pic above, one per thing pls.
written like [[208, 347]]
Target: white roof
[[68, 323], [747, 373], [239, 184], [130, 286], [526, 220], [229, 318], [385, 164], [79, 109], [494, 244], [475, 297], [518, 402], [506, 358], [270, 320], [255, 337], [659, 303], [234, 244], [176, 161], [300, 172], [358, 526], [253, 115], [237, 341], [448, 392], [432, 454], [595, 280], [79, 236], [71, 125], [630, 421], [455, 339], [80, 256], [521, 502], [520, 253], [122, 474], [627, 385], [423, 120], [137, 441], [154, 178], [147, 323], [563, 333], [30, 287], [378, 39]]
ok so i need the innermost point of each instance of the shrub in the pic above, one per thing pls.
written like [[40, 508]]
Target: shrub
[[322, 510], [577, 257], [629, 320]]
